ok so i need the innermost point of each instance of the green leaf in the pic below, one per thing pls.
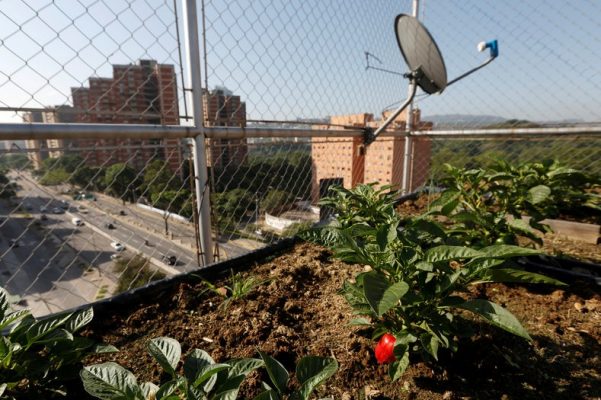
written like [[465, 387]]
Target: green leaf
[[100, 348], [520, 225], [538, 194], [229, 389], [4, 304], [167, 389], [195, 364], [167, 351], [244, 366], [110, 381], [496, 315], [398, 367], [149, 390], [79, 320], [312, 371], [359, 322], [448, 208], [430, 344], [41, 328], [506, 251], [56, 336], [207, 373], [446, 197], [278, 374], [192, 393], [13, 317], [516, 275], [380, 294], [386, 234], [267, 395], [448, 253]]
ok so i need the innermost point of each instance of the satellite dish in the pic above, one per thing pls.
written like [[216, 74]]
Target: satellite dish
[[426, 65], [421, 54]]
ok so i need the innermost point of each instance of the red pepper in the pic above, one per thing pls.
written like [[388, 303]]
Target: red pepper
[[385, 349]]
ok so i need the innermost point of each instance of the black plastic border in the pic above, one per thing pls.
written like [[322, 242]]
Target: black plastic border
[[139, 295], [561, 268]]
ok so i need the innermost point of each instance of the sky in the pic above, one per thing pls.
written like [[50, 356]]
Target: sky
[[291, 59]]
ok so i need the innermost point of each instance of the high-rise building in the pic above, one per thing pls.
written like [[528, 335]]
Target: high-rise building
[[144, 93], [222, 108], [39, 150], [347, 161]]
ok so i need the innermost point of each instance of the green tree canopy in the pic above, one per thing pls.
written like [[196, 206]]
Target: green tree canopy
[[120, 181], [276, 201], [157, 178]]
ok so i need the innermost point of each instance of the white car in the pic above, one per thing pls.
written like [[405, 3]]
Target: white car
[[115, 256], [117, 246]]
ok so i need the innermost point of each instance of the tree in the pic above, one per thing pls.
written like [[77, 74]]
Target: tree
[[276, 201], [7, 188], [120, 181], [157, 178]]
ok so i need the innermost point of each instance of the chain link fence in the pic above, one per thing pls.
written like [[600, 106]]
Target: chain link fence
[[287, 89]]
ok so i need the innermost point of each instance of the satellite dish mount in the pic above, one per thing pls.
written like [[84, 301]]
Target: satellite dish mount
[[426, 65]]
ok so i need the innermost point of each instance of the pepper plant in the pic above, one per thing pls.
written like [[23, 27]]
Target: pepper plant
[[471, 201], [203, 378], [545, 189], [411, 291], [488, 205], [38, 356]]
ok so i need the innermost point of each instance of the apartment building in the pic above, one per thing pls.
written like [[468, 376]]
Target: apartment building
[[347, 161], [143, 93], [39, 150], [222, 108]]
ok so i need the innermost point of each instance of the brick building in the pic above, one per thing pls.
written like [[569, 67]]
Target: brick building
[[222, 108], [39, 150], [348, 161], [143, 93]]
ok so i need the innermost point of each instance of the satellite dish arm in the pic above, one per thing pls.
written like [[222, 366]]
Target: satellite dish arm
[[493, 45], [370, 137]]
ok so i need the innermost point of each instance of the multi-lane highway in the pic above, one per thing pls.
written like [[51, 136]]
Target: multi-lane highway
[[55, 261]]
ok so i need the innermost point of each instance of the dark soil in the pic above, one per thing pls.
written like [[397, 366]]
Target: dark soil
[[298, 312]]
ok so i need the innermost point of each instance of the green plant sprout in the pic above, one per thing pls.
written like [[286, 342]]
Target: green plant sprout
[[238, 288]]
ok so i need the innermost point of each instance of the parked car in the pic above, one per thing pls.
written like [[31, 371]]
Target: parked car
[[64, 204], [115, 256], [121, 212], [42, 209], [57, 210], [43, 217], [109, 226], [117, 246], [169, 259], [82, 209], [76, 221]]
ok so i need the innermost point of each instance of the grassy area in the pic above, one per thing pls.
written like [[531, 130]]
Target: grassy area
[[135, 272]]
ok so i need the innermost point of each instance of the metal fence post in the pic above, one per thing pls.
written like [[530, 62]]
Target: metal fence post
[[195, 97], [408, 154]]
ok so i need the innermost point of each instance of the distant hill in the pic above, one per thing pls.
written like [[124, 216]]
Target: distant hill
[[461, 121]]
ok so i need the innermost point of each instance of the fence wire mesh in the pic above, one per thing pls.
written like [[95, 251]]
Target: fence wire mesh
[[278, 66]]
